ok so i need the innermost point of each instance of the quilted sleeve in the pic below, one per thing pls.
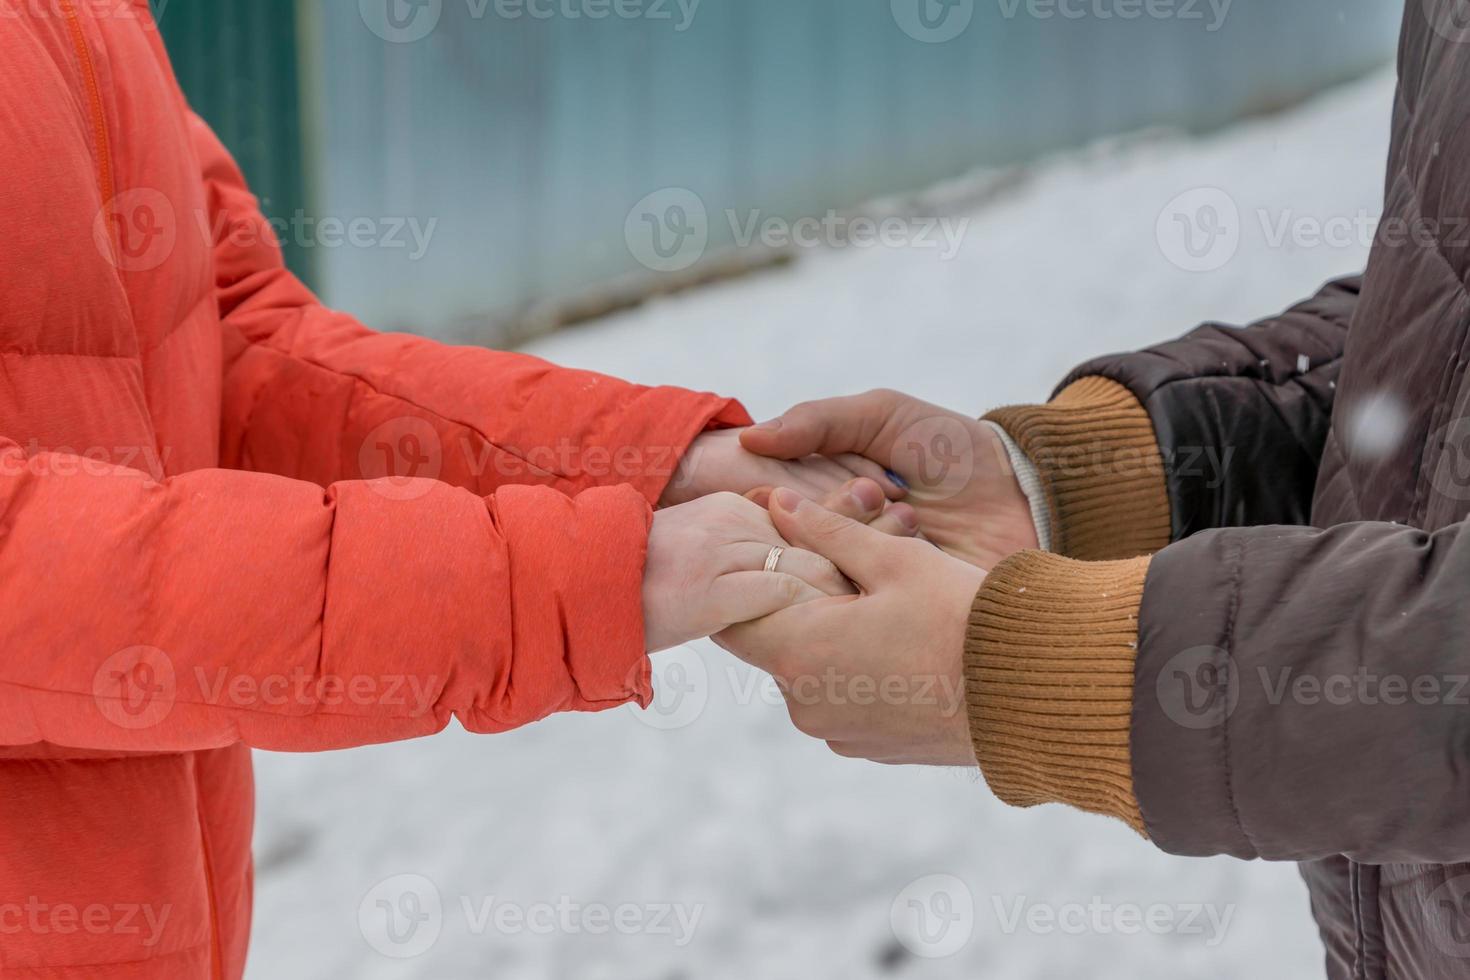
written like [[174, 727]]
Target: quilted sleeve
[[218, 606], [312, 394]]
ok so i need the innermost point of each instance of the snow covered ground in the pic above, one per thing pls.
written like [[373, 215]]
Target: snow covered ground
[[716, 842]]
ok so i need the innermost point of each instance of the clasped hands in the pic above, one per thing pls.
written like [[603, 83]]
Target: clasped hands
[[862, 624]]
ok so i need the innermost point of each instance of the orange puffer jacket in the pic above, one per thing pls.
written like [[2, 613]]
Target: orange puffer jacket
[[163, 610]]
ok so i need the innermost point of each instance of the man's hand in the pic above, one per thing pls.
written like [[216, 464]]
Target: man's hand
[[717, 462], [959, 477], [877, 676]]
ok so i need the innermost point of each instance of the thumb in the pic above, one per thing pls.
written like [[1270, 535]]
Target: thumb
[[859, 552], [855, 424]]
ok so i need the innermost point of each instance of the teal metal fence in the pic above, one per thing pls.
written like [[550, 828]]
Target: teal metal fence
[[493, 151], [238, 63]]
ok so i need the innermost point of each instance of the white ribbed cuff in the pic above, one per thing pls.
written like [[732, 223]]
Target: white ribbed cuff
[[1029, 477]]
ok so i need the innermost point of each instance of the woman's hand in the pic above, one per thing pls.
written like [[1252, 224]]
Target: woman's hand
[[705, 570], [717, 462], [879, 675], [706, 561]]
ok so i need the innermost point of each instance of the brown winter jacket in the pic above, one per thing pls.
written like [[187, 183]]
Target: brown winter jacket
[[1288, 675]]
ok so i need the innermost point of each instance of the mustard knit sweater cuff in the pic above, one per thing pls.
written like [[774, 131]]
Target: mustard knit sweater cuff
[[1095, 449], [1049, 681], [1052, 639]]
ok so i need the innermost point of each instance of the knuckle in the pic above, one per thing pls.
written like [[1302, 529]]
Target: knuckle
[[791, 588], [803, 408], [732, 513], [805, 721], [878, 397], [911, 551], [726, 499], [839, 500], [788, 667], [826, 522], [804, 413], [829, 578]]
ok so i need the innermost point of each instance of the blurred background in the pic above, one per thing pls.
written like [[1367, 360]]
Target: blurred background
[[527, 130], [778, 201]]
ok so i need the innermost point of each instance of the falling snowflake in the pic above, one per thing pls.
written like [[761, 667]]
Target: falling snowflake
[[1374, 426]]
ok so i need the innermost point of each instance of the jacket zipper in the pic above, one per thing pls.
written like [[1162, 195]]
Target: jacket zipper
[[94, 97], [106, 185]]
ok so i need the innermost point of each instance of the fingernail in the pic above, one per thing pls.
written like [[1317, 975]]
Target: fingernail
[[907, 516], [898, 481], [787, 499], [770, 426], [869, 495]]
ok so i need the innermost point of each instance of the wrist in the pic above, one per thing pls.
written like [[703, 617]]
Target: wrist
[[1027, 492], [681, 487], [658, 633]]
